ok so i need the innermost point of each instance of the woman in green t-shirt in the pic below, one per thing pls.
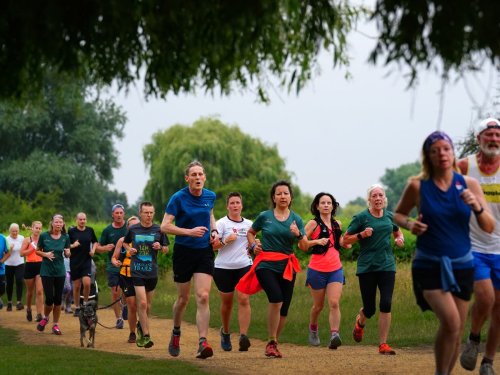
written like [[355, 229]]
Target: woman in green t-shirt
[[53, 246], [376, 263]]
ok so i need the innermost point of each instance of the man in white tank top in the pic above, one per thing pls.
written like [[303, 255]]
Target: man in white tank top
[[484, 166]]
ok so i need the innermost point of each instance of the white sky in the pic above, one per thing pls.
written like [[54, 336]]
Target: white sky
[[337, 135]]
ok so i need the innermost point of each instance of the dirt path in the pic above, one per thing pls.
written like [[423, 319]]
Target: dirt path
[[296, 359]]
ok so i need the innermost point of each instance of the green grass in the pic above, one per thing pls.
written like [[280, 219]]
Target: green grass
[[17, 358], [410, 327]]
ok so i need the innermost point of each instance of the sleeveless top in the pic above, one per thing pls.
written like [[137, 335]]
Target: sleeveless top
[[447, 217], [483, 242], [328, 261], [32, 256]]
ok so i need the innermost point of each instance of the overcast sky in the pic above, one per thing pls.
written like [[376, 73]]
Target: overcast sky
[[337, 135]]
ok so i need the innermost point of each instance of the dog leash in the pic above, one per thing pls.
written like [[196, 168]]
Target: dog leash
[[106, 307]]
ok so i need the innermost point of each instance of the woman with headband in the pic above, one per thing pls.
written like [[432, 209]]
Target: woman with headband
[[443, 268]]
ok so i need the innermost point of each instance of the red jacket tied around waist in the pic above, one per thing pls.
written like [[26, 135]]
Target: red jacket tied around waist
[[249, 284]]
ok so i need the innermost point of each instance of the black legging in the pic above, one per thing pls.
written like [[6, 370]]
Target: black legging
[[368, 283], [15, 273], [276, 287], [2, 285], [53, 289]]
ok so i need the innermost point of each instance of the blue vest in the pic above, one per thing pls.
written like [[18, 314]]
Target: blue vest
[[447, 217]]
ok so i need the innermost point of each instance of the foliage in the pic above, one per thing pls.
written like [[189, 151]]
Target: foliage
[[458, 34], [181, 44], [61, 141], [467, 146], [18, 210], [395, 181], [232, 160]]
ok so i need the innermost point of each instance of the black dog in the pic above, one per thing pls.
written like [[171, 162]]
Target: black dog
[[88, 321]]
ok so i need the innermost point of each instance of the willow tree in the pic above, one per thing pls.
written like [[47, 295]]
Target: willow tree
[[232, 160]]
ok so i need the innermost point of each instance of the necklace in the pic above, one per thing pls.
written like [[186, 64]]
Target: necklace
[[281, 216]]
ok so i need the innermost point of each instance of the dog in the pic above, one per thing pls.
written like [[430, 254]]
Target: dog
[[88, 322]]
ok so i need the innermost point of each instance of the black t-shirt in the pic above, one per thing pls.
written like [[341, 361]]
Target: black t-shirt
[[80, 254], [143, 264]]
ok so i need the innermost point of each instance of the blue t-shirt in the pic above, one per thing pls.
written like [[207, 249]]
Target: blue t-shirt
[[447, 217], [3, 250], [144, 264], [191, 211]]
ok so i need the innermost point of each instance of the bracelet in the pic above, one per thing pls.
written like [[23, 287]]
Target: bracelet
[[360, 237], [214, 230], [477, 213], [251, 247], [300, 236], [222, 242]]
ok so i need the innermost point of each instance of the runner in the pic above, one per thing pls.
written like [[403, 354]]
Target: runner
[[14, 267], [121, 258], [443, 266], [325, 276], [275, 265], [231, 263], [146, 239], [376, 266], [32, 277], [52, 247], [484, 166], [191, 208], [109, 237], [83, 244], [4, 254]]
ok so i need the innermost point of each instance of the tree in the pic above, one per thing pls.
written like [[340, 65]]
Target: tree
[[457, 35], [61, 140], [180, 44], [395, 181], [232, 161]]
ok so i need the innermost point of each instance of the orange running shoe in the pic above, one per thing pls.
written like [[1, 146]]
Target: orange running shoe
[[386, 349], [357, 332]]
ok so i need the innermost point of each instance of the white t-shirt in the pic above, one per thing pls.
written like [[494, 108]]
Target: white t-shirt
[[15, 258], [233, 255]]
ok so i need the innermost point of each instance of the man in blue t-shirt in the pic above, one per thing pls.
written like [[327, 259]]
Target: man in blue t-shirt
[[195, 230], [143, 241]]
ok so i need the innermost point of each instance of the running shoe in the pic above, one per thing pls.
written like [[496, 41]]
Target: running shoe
[[131, 338], [204, 350], [125, 312], [486, 369], [140, 342], [314, 338], [272, 350], [38, 318], [41, 326], [9, 306], [174, 346], [468, 358], [19, 306], [77, 311], [119, 323], [244, 343], [386, 349], [68, 310], [29, 315], [225, 341], [56, 330], [335, 341], [139, 330], [357, 332]]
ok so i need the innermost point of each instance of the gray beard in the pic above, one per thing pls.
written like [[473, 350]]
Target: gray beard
[[490, 152]]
